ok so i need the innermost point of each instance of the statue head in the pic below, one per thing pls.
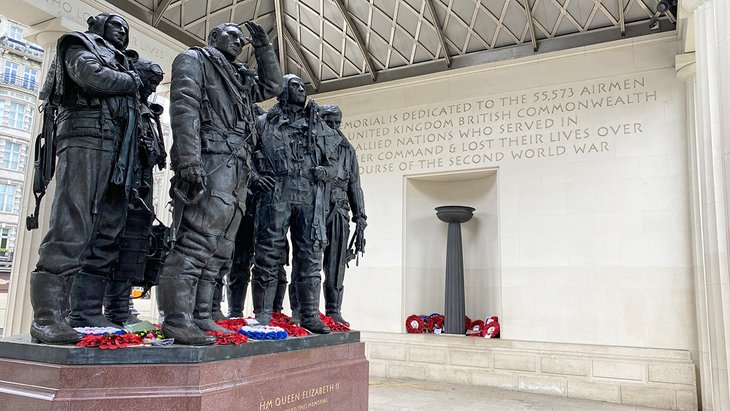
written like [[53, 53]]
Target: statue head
[[151, 75], [331, 114], [294, 91], [112, 27], [228, 38]]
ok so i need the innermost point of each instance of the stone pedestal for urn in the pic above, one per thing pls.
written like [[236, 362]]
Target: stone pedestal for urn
[[455, 305]]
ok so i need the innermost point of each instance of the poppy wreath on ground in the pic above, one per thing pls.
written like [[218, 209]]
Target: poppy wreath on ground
[[491, 329], [99, 330], [291, 329], [110, 341], [283, 321], [228, 339], [419, 324], [435, 321], [263, 332], [415, 324], [280, 317], [433, 315], [477, 326], [233, 324], [332, 325]]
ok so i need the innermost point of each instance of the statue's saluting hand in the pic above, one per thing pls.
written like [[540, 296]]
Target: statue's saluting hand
[[258, 35]]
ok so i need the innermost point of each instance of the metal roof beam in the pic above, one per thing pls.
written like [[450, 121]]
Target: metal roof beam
[[621, 17], [531, 24], [143, 13], [439, 32], [159, 9], [358, 38], [300, 57], [280, 34], [613, 33]]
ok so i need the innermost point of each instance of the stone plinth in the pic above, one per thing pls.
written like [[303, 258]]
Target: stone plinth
[[317, 372], [643, 377]]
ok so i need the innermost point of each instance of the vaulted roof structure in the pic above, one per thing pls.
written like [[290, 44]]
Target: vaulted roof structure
[[335, 44]]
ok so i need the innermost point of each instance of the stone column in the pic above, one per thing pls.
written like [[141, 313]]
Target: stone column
[[454, 304], [19, 311], [708, 110]]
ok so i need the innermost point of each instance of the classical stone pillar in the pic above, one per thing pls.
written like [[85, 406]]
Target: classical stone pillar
[[454, 305], [708, 109], [19, 311]]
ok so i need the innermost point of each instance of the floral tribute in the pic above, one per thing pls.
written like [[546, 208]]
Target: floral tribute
[[263, 332], [491, 327], [334, 326], [474, 327], [110, 341], [99, 330], [416, 324], [434, 324], [283, 321], [108, 338], [147, 334], [228, 339], [279, 320], [233, 324], [488, 328], [425, 324], [142, 333]]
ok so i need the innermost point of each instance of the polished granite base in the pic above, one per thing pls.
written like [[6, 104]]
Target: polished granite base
[[20, 348], [316, 372]]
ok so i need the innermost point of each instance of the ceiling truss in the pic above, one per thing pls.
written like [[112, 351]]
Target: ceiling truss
[[339, 43]]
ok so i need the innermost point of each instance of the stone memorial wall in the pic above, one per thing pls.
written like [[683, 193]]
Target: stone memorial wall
[[582, 231]]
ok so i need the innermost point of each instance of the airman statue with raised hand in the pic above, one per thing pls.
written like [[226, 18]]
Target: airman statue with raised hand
[[213, 129]]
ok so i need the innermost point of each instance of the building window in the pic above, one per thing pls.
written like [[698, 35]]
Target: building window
[[7, 198], [4, 239], [16, 116], [11, 156], [15, 33], [10, 75], [30, 78]]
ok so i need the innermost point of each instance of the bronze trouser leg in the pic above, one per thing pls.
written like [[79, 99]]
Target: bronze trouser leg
[[306, 268], [215, 309], [272, 224], [240, 273], [335, 255], [82, 175], [204, 245]]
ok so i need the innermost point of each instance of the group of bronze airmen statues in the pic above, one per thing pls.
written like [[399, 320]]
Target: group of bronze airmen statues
[[243, 180]]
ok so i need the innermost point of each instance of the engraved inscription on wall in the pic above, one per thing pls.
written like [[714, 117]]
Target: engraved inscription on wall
[[576, 119], [75, 13]]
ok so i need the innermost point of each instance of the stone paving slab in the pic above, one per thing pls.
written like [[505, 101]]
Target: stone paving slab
[[407, 395]]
